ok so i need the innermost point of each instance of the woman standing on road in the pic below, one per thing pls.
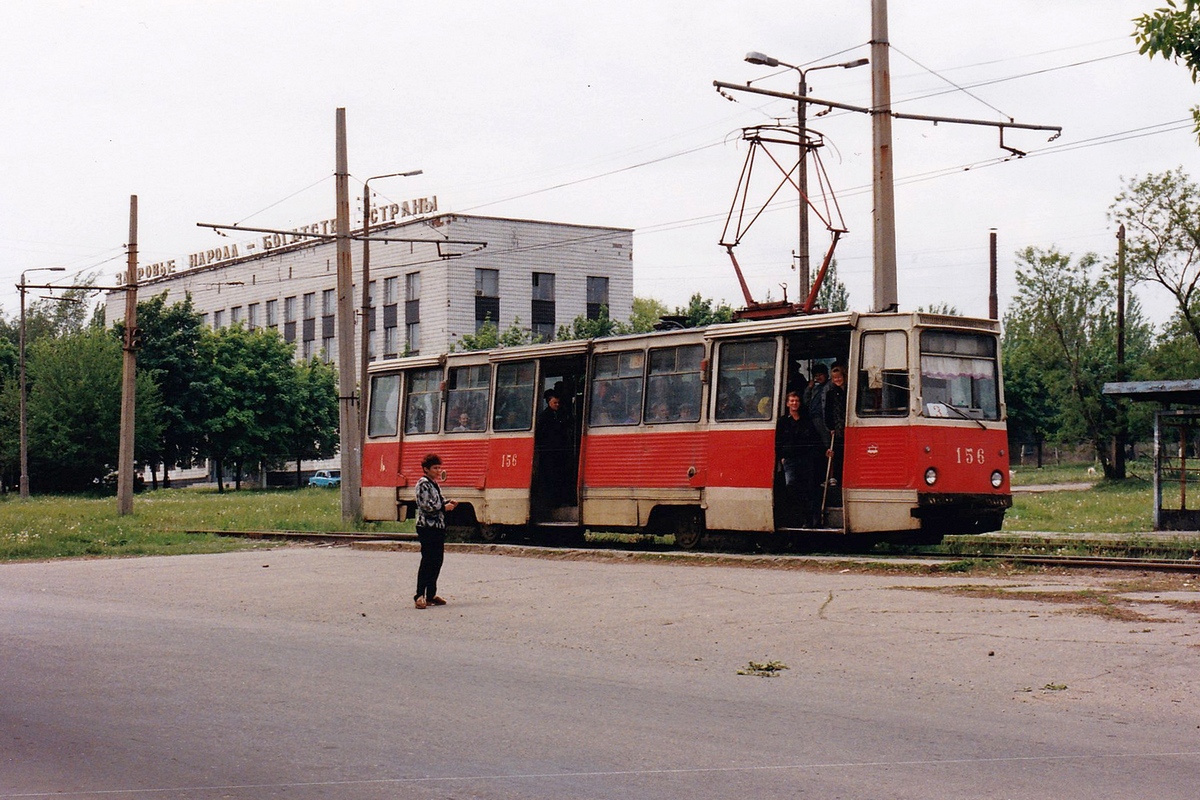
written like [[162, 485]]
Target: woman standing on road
[[431, 531]]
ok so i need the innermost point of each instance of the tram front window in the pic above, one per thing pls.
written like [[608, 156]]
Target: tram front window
[[958, 375]]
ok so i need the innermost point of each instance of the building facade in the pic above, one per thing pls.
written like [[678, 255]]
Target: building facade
[[453, 273]]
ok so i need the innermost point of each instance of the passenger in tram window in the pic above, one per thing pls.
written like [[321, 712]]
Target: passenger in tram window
[[797, 446], [660, 413], [687, 413], [762, 391], [554, 453], [464, 422], [835, 421]]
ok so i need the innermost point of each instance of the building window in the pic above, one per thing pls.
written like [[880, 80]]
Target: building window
[[329, 302], [412, 313], [391, 342], [541, 312], [487, 297], [597, 296], [289, 319], [272, 320], [391, 317], [309, 332], [218, 320], [307, 351], [252, 316], [391, 291], [235, 315]]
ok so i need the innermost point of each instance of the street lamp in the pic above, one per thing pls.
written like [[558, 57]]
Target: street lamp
[[802, 178], [21, 388], [366, 295]]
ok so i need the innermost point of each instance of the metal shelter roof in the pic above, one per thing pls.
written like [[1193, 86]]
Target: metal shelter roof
[[1184, 392]]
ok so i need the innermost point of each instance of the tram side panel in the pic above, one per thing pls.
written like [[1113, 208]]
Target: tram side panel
[[627, 473]]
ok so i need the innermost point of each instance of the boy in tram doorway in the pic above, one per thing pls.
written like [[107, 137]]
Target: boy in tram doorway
[[797, 444]]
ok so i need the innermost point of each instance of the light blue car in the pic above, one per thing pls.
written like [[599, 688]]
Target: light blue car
[[326, 477]]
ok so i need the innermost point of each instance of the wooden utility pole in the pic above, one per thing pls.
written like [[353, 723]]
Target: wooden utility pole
[[350, 440], [125, 462], [1118, 455]]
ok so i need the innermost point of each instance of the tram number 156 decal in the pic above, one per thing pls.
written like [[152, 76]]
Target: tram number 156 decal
[[967, 455], [510, 460]]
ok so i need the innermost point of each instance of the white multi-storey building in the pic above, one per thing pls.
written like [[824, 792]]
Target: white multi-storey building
[[461, 271]]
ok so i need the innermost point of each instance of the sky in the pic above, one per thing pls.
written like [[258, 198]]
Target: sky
[[578, 112]]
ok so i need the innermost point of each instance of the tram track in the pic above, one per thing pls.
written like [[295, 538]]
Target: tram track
[[1114, 554]]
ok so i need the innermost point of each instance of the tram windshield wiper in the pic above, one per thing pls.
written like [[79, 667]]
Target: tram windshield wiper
[[962, 412]]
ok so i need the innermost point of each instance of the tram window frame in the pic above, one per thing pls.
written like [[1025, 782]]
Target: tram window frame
[[467, 390], [884, 388], [623, 370], [733, 365], [383, 415], [515, 397], [984, 388], [430, 412], [673, 379]]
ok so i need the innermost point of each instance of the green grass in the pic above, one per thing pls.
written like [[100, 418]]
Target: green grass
[[1108, 507], [65, 527]]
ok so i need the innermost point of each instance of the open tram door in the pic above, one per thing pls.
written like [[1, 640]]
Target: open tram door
[[813, 501], [558, 427]]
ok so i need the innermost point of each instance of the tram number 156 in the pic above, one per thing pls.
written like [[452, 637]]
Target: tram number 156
[[966, 455], [508, 460]]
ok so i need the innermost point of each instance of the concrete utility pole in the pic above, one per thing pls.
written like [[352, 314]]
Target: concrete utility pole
[[350, 438], [1118, 455], [993, 295], [367, 304], [125, 463], [885, 298]]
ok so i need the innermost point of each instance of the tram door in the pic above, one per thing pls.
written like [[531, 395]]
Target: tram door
[[811, 501], [554, 490]]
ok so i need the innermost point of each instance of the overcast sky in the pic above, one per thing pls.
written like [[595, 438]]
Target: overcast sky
[[580, 112]]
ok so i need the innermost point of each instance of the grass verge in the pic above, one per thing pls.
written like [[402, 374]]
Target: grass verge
[[70, 527]]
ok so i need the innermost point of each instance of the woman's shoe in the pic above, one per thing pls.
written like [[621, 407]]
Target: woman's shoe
[[437, 601], [420, 601]]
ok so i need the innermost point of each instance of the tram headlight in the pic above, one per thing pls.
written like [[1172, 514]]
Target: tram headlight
[[997, 479], [931, 476]]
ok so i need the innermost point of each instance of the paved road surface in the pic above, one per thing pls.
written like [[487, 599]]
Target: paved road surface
[[306, 673]]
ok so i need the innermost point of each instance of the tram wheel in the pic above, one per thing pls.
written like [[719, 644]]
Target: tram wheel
[[689, 529], [490, 533]]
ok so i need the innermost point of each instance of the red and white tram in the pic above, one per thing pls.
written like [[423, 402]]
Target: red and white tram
[[674, 431]]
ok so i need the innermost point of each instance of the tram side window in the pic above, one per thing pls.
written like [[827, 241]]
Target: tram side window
[[673, 388], [423, 406], [958, 375], [746, 381], [515, 387], [466, 400], [883, 375], [617, 389], [385, 405]]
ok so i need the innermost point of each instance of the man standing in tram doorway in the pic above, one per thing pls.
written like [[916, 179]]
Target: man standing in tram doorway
[[835, 422], [554, 453]]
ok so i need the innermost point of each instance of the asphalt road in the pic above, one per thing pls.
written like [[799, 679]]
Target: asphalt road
[[306, 673]]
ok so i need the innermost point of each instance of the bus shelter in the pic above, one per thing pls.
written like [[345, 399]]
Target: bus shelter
[[1176, 448]]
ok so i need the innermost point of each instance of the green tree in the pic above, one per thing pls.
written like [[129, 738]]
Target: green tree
[[701, 311], [646, 314], [74, 410], [1173, 32], [943, 308], [314, 430], [250, 388], [833, 295], [1060, 348], [1161, 214], [583, 328], [490, 336], [170, 355]]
